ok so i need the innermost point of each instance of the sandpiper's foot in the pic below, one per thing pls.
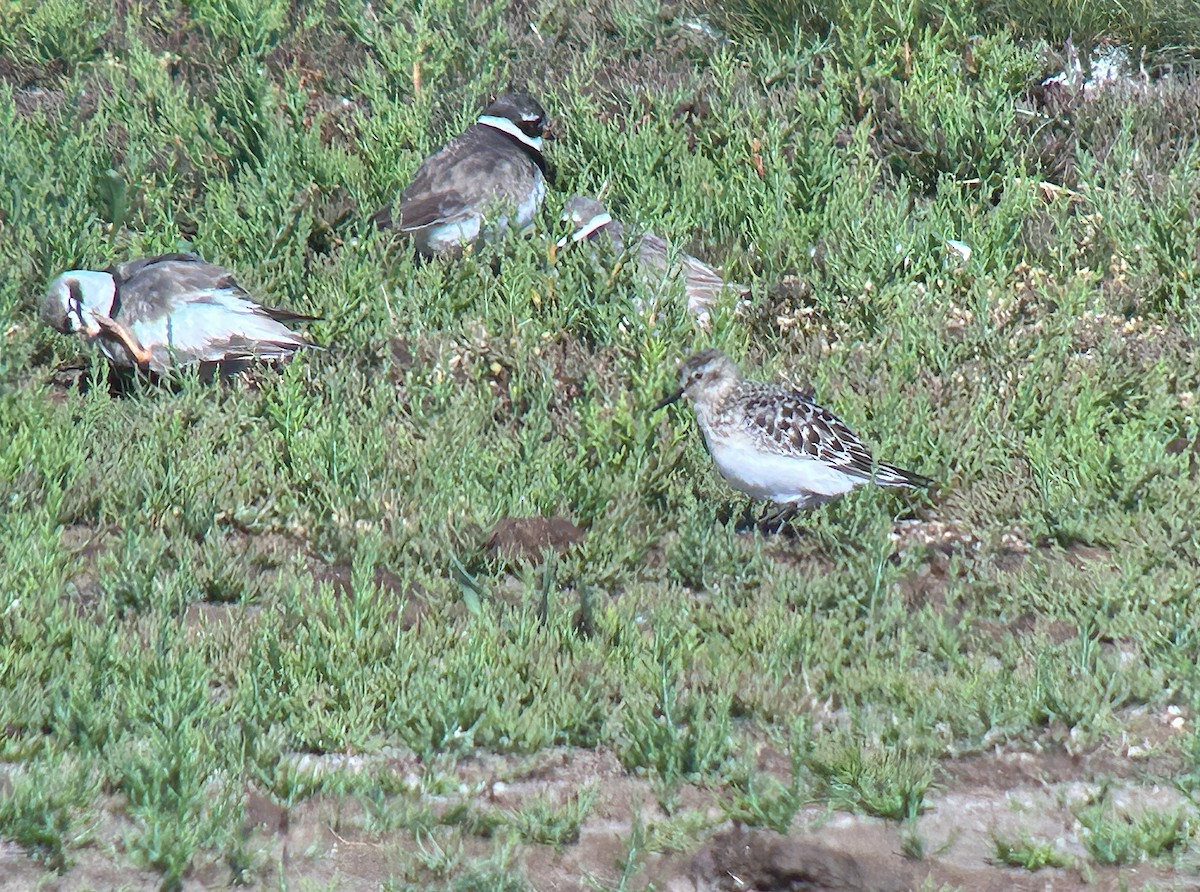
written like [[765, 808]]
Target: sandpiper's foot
[[747, 522], [774, 521]]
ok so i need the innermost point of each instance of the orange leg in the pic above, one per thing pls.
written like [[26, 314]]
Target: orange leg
[[140, 354]]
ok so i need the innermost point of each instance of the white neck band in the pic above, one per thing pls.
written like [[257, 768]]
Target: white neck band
[[589, 228], [506, 126]]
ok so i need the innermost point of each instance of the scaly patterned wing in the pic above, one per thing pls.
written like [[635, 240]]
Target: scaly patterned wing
[[789, 423]]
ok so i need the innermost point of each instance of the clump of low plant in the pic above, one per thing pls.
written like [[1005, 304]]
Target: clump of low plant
[[889, 783], [542, 820], [45, 812], [1030, 854], [1118, 836]]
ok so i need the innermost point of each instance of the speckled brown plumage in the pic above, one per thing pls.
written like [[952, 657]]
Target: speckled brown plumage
[[776, 443], [790, 423]]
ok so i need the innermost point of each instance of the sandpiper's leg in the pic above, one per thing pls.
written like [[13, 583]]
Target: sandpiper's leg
[[775, 521], [746, 521]]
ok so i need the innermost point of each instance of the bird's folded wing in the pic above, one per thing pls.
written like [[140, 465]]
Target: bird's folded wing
[[158, 285], [123, 272], [217, 325], [434, 209], [795, 425], [702, 278]]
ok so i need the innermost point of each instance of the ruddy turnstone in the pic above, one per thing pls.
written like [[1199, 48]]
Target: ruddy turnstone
[[771, 442], [491, 176], [701, 283], [166, 312]]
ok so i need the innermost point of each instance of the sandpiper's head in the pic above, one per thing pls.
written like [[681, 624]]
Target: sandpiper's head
[[705, 377], [707, 373], [525, 112], [72, 298]]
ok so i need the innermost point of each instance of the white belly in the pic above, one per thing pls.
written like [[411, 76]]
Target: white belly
[[527, 209], [466, 230], [443, 237], [780, 478]]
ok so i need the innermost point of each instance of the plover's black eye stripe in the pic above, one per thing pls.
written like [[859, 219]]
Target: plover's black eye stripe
[[531, 126], [75, 300]]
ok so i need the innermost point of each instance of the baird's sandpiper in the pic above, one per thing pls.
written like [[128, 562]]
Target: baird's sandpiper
[[771, 442]]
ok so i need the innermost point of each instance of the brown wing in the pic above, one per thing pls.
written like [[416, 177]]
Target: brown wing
[[123, 272], [463, 177], [152, 287], [431, 209], [701, 277], [702, 283]]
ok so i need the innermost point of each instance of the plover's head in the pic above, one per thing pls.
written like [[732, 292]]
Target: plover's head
[[525, 113], [587, 217], [581, 210], [72, 297]]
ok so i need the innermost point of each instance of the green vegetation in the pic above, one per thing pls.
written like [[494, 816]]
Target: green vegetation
[[1117, 836], [1170, 27], [200, 582], [549, 823], [762, 800], [43, 812], [1030, 854], [890, 784]]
